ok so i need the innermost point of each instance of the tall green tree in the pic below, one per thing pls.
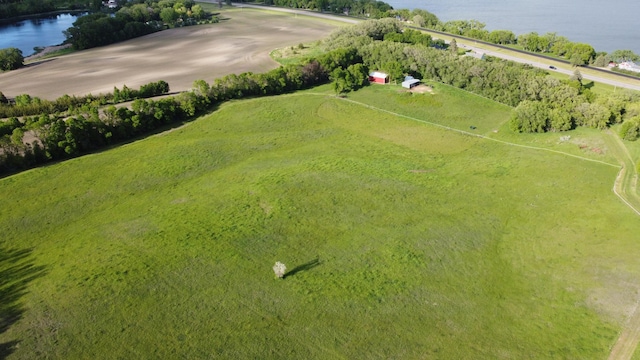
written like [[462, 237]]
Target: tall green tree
[[453, 46], [169, 15], [429, 20], [418, 21], [576, 60], [600, 61], [585, 53], [529, 117], [503, 37], [11, 59], [630, 129], [577, 76], [530, 41]]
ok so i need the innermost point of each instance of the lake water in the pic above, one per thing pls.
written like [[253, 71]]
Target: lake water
[[607, 26], [43, 31]]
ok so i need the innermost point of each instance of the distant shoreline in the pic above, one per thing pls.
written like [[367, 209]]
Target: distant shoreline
[[46, 50], [11, 20]]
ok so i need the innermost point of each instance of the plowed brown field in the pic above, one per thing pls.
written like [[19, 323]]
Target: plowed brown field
[[239, 43]]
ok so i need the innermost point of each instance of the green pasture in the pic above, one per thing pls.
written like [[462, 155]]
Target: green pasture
[[402, 239], [463, 110]]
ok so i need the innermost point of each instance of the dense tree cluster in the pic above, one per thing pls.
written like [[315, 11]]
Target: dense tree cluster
[[409, 36], [137, 18], [577, 53], [11, 59], [100, 29]]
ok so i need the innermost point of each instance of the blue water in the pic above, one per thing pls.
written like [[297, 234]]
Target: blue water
[[27, 34], [607, 26]]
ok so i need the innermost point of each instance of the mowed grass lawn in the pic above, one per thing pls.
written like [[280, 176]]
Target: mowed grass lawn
[[403, 240]]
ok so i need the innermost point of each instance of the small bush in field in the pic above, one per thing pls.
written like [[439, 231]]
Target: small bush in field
[[279, 268]]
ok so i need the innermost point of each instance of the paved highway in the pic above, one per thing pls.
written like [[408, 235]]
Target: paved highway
[[544, 63]]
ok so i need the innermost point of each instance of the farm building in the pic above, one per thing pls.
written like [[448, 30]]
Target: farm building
[[409, 82], [378, 77]]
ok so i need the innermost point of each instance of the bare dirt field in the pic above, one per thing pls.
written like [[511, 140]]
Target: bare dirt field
[[421, 89], [240, 43]]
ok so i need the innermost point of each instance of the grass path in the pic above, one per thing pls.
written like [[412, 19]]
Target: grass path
[[628, 340], [625, 188]]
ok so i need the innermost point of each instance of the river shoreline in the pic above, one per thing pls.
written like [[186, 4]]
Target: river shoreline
[[46, 51], [32, 34]]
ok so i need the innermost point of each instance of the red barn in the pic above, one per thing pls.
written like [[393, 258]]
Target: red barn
[[378, 77]]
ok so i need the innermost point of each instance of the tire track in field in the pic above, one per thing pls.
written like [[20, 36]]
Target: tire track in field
[[625, 188], [627, 341]]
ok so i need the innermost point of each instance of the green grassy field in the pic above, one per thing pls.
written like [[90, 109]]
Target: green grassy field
[[403, 239]]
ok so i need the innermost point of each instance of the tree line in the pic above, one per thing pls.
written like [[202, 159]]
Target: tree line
[[25, 105], [550, 43], [72, 126]]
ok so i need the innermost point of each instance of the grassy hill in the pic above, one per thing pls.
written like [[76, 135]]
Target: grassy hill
[[403, 239]]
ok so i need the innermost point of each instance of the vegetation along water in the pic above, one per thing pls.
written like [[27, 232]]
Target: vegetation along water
[[37, 32], [605, 25]]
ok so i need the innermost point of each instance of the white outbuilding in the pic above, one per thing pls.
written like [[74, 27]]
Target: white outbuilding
[[409, 82]]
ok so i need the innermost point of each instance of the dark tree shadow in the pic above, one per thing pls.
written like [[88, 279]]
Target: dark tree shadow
[[304, 267], [17, 270], [7, 348], [37, 62]]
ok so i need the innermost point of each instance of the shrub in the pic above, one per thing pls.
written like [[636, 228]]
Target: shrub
[[630, 129], [11, 59], [279, 268]]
